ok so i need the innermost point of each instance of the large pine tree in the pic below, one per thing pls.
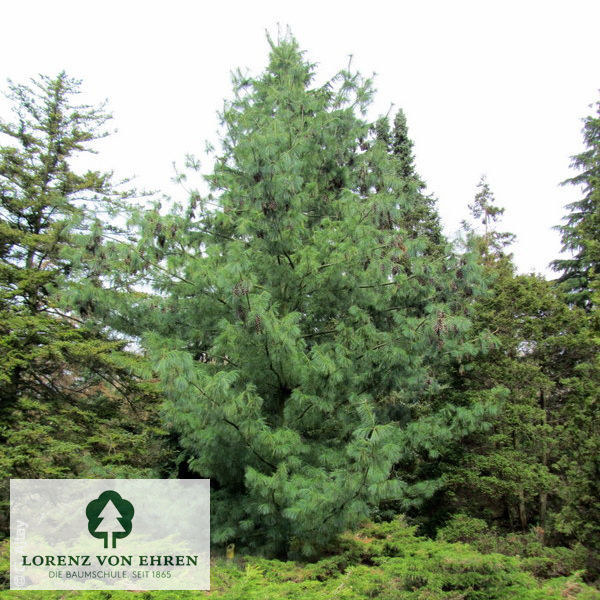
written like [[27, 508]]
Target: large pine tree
[[302, 328]]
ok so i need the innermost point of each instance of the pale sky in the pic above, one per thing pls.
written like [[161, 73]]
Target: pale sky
[[488, 87]]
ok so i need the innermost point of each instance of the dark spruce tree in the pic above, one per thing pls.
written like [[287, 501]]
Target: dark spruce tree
[[581, 230], [580, 513], [301, 328], [418, 213], [67, 399]]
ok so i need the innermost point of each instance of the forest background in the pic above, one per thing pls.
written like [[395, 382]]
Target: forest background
[[305, 334]]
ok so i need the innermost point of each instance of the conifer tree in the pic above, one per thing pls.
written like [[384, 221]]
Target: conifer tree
[[580, 233], [61, 380], [301, 329], [535, 468], [485, 210], [419, 213], [579, 513], [506, 475]]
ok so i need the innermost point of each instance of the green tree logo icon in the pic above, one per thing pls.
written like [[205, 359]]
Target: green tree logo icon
[[109, 514]]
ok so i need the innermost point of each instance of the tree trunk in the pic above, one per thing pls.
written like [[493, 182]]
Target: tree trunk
[[522, 511], [544, 493]]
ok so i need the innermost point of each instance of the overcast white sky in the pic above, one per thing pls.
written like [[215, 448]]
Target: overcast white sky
[[488, 87]]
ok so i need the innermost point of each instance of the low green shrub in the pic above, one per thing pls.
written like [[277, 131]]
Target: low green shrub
[[386, 561], [537, 558]]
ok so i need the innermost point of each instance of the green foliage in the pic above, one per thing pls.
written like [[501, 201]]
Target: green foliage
[[484, 210], [69, 404], [511, 467], [537, 465], [536, 557], [580, 233], [579, 463], [302, 326], [578, 516], [462, 528], [4, 565], [418, 212], [385, 561], [324, 355]]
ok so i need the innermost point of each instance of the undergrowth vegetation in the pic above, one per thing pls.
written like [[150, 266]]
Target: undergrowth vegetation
[[390, 562]]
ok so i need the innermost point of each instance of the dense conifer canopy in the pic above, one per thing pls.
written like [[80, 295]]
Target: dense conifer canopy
[[307, 313], [303, 334]]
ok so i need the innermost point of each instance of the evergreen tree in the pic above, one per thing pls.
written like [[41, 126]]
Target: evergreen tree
[[580, 431], [576, 518], [580, 233], [536, 467], [67, 398], [301, 329], [402, 148], [418, 213], [507, 475], [485, 210]]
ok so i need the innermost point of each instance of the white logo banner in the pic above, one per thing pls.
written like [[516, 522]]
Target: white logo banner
[[120, 534]]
